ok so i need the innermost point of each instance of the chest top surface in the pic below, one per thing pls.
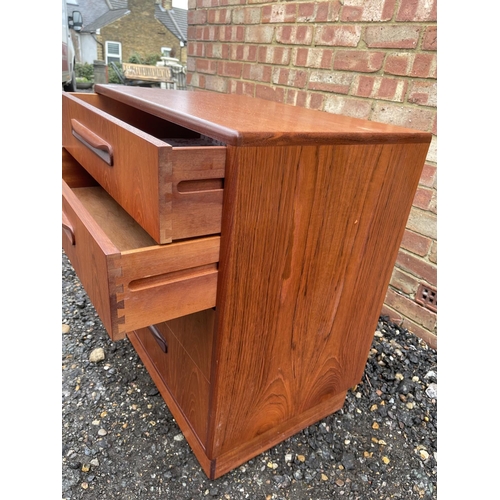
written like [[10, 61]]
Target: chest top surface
[[240, 120]]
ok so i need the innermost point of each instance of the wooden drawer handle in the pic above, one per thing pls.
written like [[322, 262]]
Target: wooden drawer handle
[[68, 228], [92, 141], [159, 338]]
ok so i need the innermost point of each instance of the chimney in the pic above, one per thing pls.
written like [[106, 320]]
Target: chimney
[[166, 4]]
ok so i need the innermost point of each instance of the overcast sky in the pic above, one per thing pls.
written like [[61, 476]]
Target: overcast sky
[[182, 4]]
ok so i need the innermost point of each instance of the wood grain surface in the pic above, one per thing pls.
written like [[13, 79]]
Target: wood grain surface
[[241, 120], [309, 240]]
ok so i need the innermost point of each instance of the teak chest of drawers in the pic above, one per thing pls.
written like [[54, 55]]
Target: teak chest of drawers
[[244, 246]]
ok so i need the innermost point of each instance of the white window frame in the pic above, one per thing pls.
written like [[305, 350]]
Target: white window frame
[[167, 50], [113, 54]]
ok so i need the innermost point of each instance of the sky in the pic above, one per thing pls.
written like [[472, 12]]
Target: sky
[[181, 4]]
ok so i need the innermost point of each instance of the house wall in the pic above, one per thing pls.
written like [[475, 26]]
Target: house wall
[[140, 32], [373, 59]]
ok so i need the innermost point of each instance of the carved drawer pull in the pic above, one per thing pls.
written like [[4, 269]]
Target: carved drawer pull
[[92, 141], [68, 228], [159, 338]]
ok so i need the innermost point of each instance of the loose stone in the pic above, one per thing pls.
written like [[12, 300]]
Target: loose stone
[[97, 355]]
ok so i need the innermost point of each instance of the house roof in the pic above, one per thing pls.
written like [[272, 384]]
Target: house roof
[[99, 13], [174, 19]]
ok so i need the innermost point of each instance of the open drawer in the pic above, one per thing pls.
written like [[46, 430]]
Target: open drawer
[[168, 178], [131, 281]]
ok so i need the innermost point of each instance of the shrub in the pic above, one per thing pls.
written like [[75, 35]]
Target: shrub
[[85, 70]]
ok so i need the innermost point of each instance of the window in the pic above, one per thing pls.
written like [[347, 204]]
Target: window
[[165, 51], [113, 52]]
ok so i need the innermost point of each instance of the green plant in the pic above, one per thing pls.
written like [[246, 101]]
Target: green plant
[[149, 60], [112, 76], [85, 70]]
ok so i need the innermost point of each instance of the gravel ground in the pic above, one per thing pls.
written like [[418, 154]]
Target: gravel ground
[[119, 439]]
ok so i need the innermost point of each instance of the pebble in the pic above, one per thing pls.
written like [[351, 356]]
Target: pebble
[[332, 458], [432, 391], [65, 328], [102, 432], [97, 355]]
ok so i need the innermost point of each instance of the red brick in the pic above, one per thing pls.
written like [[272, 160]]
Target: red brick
[[233, 69], [216, 83], [340, 105], [206, 66], [433, 253], [407, 307], [259, 34], [305, 99], [297, 35], [358, 60], [428, 177], [421, 65], [393, 315], [404, 282], [197, 17], [361, 10], [416, 243], [423, 93], [398, 63], [429, 41], [247, 53], [391, 89], [428, 337], [257, 72], [380, 88], [191, 64], [289, 77], [197, 80], [313, 58], [279, 13], [397, 37], [423, 198], [209, 33], [242, 88], [424, 66], [274, 55], [270, 93], [423, 222], [218, 50], [405, 116], [364, 86], [330, 81], [192, 33], [219, 16], [196, 49], [231, 34], [338, 36], [319, 12], [417, 10], [204, 3], [247, 15], [417, 266]]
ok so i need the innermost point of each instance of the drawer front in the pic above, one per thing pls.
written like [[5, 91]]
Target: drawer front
[[131, 281], [184, 381], [173, 193]]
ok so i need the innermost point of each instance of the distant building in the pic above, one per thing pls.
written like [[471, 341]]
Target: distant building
[[115, 30]]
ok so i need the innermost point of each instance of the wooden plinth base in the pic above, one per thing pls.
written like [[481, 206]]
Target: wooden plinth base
[[215, 467]]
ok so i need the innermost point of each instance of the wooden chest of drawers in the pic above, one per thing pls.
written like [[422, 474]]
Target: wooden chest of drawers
[[252, 305]]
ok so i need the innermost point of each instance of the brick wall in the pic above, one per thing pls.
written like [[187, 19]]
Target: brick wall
[[373, 59]]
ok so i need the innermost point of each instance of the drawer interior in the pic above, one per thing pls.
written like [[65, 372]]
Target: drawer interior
[[159, 128], [118, 225]]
